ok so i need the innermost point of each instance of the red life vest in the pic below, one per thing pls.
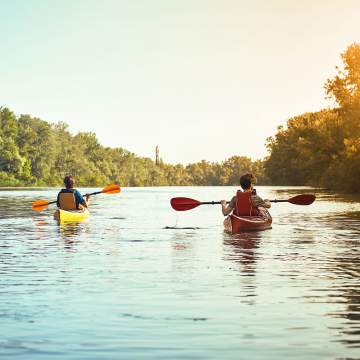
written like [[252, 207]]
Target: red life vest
[[244, 205]]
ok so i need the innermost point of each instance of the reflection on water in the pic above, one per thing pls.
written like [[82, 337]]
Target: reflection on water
[[241, 249], [345, 270], [131, 284], [69, 234]]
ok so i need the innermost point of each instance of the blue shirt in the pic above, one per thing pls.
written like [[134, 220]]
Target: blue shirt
[[78, 197]]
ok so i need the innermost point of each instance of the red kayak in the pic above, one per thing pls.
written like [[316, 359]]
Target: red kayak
[[235, 224]]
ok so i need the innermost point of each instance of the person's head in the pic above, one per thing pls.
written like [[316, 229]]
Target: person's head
[[246, 181], [69, 181]]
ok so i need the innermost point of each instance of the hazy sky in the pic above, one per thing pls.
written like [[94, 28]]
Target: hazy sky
[[203, 79]]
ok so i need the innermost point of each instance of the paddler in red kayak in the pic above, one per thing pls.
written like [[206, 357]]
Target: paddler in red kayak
[[246, 202], [70, 198]]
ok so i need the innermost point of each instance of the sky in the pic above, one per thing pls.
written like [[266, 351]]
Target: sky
[[203, 79]]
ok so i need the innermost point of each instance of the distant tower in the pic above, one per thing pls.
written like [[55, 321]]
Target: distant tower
[[157, 158]]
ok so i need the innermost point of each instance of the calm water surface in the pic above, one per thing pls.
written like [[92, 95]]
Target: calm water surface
[[140, 281]]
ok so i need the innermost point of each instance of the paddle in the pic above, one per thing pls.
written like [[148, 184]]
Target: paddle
[[110, 189], [183, 203]]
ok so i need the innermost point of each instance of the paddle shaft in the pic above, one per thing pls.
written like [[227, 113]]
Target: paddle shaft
[[184, 203], [210, 203], [218, 202]]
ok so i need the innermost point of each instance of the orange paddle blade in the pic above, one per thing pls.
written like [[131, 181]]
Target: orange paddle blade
[[111, 189], [39, 205]]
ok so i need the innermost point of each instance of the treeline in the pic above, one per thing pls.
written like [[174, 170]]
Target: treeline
[[34, 152], [319, 149], [323, 148]]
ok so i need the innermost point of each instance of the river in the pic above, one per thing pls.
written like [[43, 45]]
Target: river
[[141, 281]]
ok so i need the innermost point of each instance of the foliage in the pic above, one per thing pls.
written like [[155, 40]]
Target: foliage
[[323, 148], [34, 152], [320, 148]]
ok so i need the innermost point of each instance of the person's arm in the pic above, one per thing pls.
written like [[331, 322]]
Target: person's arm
[[226, 207], [87, 200], [58, 201], [83, 202], [258, 201]]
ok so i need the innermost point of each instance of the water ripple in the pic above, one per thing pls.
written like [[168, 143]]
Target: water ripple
[[120, 286]]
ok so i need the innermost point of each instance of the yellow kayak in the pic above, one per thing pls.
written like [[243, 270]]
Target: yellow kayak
[[71, 215]]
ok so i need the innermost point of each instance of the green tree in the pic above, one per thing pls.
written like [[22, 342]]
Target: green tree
[[322, 148]]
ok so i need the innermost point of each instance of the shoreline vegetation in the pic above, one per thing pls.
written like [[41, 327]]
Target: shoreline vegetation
[[320, 149], [323, 148], [36, 153]]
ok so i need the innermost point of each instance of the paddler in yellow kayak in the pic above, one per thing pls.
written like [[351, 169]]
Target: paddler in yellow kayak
[[246, 202], [70, 198]]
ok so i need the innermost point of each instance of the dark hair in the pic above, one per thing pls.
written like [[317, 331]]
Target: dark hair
[[246, 180], [69, 181]]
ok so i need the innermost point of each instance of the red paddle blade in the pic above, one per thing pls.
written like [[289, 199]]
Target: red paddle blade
[[304, 199], [183, 203]]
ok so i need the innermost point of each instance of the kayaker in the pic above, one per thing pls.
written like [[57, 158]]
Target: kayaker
[[70, 198], [246, 202]]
